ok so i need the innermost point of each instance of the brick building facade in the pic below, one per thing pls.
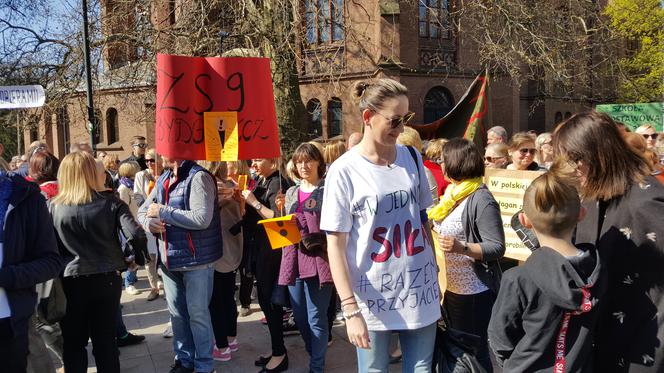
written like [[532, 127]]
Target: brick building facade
[[362, 40]]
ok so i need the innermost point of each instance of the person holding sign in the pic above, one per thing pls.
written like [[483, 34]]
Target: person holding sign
[[470, 231], [304, 266], [624, 221], [183, 211], [261, 205], [381, 260]]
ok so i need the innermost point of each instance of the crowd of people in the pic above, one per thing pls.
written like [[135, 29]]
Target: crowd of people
[[397, 234]]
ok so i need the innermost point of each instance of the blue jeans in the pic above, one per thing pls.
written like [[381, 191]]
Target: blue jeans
[[416, 349], [130, 278], [310, 302], [188, 296]]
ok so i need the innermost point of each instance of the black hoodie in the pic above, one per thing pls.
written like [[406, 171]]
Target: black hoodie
[[545, 313]]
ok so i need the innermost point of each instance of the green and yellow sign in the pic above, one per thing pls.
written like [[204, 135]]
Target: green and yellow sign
[[635, 115]]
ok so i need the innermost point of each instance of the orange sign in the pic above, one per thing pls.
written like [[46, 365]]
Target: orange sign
[[281, 231]]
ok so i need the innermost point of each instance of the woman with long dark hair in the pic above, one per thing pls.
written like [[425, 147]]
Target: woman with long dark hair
[[625, 205]]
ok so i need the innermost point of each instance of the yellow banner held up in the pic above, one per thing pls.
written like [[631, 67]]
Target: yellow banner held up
[[242, 182], [281, 231], [221, 136]]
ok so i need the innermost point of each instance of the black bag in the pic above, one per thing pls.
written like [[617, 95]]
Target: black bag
[[454, 350], [53, 308]]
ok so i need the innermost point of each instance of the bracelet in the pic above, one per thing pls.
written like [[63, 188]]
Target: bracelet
[[348, 304], [345, 299], [347, 316]]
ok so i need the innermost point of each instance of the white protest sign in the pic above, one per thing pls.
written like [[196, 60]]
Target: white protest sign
[[21, 96]]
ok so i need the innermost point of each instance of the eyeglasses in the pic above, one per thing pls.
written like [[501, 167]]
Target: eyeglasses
[[396, 122], [652, 136], [141, 145], [492, 159], [524, 151]]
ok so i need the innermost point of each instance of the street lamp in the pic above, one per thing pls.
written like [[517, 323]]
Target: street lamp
[[88, 76]]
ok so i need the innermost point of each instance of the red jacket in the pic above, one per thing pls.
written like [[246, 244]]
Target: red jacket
[[438, 175]]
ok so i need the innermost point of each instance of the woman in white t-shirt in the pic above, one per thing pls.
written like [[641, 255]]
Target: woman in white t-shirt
[[381, 260]]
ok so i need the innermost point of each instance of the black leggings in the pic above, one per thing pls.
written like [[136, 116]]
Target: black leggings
[[267, 273], [471, 314], [223, 311]]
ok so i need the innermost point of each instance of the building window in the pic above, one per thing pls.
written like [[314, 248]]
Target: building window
[[62, 120], [558, 117], [324, 21], [568, 115], [112, 128], [434, 19], [315, 118], [98, 134], [334, 117], [34, 134], [437, 103]]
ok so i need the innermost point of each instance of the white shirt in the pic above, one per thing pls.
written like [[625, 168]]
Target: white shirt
[[5, 311], [392, 268], [461, 276]]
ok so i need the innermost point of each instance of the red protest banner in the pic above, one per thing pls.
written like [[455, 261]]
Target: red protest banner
[[187, 87]]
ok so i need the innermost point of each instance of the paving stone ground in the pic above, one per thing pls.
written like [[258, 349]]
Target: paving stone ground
[[155, 354]]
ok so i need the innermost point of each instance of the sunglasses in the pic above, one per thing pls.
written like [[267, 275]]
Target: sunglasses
[[396, 122], [492, 159], [142, 146], [150, 160], [524, 151], [652, 136]]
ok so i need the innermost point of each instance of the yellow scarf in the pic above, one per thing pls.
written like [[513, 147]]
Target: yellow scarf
[[453, 194]]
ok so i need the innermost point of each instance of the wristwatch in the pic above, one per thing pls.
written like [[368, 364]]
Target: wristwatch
[[257, 205]]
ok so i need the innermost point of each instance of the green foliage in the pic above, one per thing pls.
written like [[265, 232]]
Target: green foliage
[[640, 25]]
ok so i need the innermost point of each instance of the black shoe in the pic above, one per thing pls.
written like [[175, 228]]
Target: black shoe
[[395, 359], [130, 339], [178, 368], [262, 361], [279, 368]]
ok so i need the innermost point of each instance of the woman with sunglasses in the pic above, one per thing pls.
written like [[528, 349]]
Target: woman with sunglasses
[[496, 155], [380, 257], [624, 206], [522, 153], [649, 133]]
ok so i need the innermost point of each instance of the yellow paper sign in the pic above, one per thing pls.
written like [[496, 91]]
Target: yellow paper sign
[[508, 188], [281, 231], [242, 182], [221, 136]]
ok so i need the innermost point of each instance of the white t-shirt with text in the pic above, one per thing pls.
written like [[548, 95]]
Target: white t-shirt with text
[[392, 267]]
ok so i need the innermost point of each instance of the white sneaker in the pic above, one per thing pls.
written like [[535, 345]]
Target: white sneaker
[[131, 290], [160, 285], [244, 311], [168, 333]]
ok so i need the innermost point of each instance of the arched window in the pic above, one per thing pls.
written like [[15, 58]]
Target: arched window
[[437, 103], [62, 120], [315, 118], [334, 117], [34, 134], [568, 115], [558, 117], [112, 128]]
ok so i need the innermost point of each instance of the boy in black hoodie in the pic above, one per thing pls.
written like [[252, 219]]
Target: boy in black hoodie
[[545, 314]]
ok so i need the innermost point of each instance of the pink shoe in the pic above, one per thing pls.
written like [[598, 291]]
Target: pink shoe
[[221, 355], [233, 345]]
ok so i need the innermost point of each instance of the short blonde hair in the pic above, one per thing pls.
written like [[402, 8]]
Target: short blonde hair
[[435, 149], [77, 179], [128, 169], [410, 137], [333, 151], [110, 159], [643, 128]]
